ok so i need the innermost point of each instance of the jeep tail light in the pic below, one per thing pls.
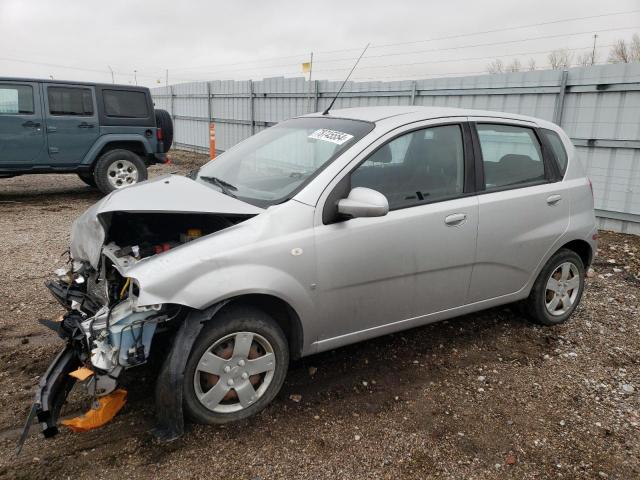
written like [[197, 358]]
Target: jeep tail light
[[159, 134]]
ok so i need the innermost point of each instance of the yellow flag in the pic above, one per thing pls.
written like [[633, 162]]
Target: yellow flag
[[306, 67]]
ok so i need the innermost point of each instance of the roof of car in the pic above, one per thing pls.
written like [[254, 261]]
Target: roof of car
[[71, 82], [376, 114]]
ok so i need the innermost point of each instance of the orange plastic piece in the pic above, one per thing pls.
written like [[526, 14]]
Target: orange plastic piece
[[108, 407], [81, 374]]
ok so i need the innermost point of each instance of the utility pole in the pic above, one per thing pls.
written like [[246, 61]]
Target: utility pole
[[135, 76], [113, 80], [310, 74], [593, 53]]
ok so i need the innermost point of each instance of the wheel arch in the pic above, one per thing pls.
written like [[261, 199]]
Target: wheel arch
[[135, 143], [281, 311], [582, 248]]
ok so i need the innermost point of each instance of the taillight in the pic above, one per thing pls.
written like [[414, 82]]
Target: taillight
[[159, 135]]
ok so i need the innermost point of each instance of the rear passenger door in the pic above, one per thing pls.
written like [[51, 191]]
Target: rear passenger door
[[21, 129], [523, 209], [72, 122]]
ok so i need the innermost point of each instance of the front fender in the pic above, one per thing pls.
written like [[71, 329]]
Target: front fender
[[103, 140], [227, 282]]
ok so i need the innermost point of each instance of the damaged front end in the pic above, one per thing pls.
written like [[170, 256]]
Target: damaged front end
[[107, 326], [105, 332]]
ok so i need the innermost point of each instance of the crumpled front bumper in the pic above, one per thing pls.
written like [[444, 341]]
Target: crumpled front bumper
[[51, 394], [53, 389]]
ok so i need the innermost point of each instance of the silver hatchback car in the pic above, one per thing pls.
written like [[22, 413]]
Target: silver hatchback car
[[319, 232]]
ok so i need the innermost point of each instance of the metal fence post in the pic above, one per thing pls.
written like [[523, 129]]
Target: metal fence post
[[173, 114], [209, 102], [316, 94], [557, 113], [251, 108]]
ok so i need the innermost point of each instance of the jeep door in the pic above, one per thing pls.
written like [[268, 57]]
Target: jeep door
[[72, 122], [380, 274], [523, 206], [21, 126]]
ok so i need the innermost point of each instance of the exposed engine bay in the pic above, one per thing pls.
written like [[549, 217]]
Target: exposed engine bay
[[105, 329]]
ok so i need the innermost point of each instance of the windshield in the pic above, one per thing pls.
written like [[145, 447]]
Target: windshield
[[273, 165]]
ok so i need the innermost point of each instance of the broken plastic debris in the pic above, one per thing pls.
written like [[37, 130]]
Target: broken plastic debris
[[81, 374], [108, 407]]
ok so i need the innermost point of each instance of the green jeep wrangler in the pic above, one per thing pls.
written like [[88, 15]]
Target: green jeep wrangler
[[107, 134]]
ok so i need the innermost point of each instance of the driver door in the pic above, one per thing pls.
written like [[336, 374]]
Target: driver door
[[382, 274]]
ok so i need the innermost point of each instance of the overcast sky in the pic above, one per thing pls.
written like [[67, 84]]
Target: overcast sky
[[240, 39]]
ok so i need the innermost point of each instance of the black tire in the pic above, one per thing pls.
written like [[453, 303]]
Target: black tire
[[102, 174], [229, 321], [163, 121], [87, 177], [535, 306]]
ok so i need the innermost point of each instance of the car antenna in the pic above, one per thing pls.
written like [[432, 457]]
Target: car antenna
[[345, 81]]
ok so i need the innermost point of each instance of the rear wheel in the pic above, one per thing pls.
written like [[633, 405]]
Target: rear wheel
[[117, 169], [557, 290], [87, 177], [236, 367]]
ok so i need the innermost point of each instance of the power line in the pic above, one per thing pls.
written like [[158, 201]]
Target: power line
[[449, 37], [561, 35]]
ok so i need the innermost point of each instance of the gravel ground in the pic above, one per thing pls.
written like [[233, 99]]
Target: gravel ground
[[479, 397]]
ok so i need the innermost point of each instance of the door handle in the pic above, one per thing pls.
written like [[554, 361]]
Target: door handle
[[554, 199], [456, 219], [31, 124], [85, 125]]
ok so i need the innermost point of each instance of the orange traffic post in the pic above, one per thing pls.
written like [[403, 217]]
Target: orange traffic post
[[212, 140]]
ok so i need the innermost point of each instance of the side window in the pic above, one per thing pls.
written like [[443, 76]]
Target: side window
[[557, 147], [70, 101], [511, 155], [125, 104], [421, 166], [16, 99]]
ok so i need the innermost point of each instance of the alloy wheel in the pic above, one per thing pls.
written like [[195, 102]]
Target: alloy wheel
[[234, 372]]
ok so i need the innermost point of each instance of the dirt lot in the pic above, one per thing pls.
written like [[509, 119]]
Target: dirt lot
[[483, 396]]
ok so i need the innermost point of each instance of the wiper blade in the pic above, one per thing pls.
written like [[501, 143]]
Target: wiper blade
[[226, 187]]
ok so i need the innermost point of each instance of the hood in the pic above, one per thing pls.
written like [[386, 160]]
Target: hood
[[166, 194]]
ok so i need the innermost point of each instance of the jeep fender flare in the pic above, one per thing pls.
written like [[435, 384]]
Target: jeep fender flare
[[92, 155]]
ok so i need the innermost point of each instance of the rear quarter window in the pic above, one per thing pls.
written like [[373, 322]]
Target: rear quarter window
[[557, 147], [125, 104]]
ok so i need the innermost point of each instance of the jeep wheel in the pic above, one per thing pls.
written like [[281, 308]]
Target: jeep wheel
[[118, 169], [236, 367], [87, 177], [557, 290]]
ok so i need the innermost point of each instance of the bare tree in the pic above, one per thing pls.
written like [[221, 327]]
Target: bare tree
[[514, 66], [495, 66], [532, 64], [620, 53], [585, 59], [635, 47], [559, 59]]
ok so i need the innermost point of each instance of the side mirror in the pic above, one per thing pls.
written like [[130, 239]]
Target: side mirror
[[364, 202]]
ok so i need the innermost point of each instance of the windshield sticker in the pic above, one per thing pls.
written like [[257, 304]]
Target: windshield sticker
[[332, 136]]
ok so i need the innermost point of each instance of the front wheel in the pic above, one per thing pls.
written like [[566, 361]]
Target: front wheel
[[117, 169], [236, 367], [557, 290]]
